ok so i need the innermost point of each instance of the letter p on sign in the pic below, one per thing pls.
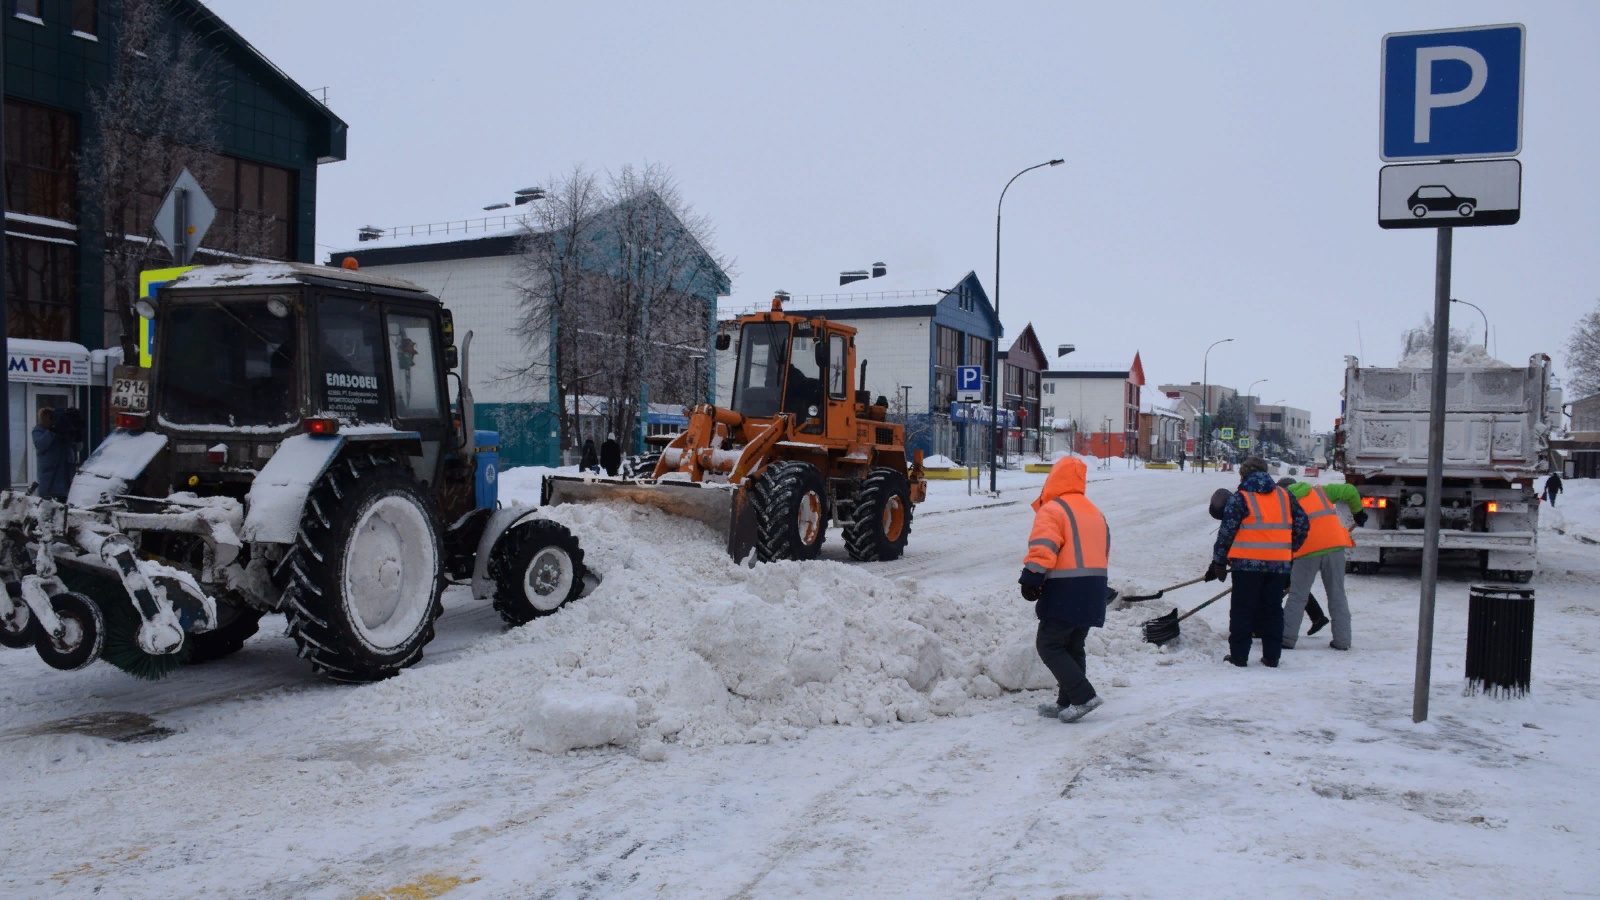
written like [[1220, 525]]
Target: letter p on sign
[[1452, 94]]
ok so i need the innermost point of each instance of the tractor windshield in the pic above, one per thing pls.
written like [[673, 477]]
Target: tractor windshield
[[228, 364], [763, 356]]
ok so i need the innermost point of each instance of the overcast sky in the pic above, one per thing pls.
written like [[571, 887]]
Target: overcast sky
[[1221, 175]]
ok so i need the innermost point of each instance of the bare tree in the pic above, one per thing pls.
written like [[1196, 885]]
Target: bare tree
[[1420, 339], [154, 117], [1583, 356]]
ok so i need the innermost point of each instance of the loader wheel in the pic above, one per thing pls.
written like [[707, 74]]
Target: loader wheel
[[882, 523], [366, 571], [84, 633], [791, 503], [224, 640], [537, 568], [17, 630]]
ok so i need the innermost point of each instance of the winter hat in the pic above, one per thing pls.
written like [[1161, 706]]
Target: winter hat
[[1286, 482], [1219, 502], [1251, 466]]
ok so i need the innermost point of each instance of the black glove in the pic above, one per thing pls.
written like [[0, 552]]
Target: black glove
[[1217, 572], [1361, 518], [1032, 592]]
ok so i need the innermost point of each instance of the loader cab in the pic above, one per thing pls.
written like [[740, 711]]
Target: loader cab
[[796, 366]]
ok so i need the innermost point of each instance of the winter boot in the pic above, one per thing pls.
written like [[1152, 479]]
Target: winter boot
[[1241, 663], [1074, 713], [1050, 710], [1319, 620]]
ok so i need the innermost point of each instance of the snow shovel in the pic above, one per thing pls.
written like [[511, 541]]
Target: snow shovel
[[1135, 598], [1164, 628]]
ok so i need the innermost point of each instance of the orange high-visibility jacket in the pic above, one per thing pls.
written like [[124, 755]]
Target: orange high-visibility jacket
[[1267, 530], [1327, 532], [1070, 537]]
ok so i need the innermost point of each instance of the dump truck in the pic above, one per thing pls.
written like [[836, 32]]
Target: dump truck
[[1497, 421], [295, 449], [802, 444]]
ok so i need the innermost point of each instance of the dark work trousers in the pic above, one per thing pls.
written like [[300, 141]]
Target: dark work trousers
[[1061, 648], [1257, 604]]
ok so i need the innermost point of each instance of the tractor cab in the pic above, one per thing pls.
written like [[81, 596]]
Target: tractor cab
[[798, 367]]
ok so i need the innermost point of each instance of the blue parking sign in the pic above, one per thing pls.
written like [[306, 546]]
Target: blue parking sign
[[969, 383], [1452, 94]]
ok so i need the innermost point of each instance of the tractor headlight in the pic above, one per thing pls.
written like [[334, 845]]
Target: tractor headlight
[[812, 412], [145, 309], [278, 305]]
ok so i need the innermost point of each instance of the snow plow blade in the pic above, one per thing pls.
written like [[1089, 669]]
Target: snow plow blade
[[722, 506]]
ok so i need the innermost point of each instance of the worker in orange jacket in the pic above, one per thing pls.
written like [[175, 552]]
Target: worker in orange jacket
[[1262, 526], [1064, 574]]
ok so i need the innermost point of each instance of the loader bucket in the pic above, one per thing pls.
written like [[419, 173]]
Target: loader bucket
[[722, 506]]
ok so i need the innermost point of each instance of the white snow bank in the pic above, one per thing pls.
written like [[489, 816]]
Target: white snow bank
[[562, 721], [1577, 509], [939, 462]]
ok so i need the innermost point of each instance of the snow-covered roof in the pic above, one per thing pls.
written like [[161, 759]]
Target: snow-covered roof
[[886, 291], [276, 273], [487, 224], [1160, 406]]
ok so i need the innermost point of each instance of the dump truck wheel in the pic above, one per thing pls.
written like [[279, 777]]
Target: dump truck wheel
[[85, 633], [791, 503], [366, 571], [882, 522], [224, 640], [17, 631], [537, 568]]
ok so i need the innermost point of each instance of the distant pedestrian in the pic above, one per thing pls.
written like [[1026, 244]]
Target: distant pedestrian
[[589, 461], [54, 449], [1064, 571], [1181, 458], [1262, 526], [1322, 553], [1552, 487], [611, 454]]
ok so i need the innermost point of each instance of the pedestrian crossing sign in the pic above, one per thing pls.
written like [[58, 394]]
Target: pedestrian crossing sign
[[1244, 443], [1227, 434]]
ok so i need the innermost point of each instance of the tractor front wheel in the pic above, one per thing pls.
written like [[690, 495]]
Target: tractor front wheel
[[882, 522], [537, 568], [791, 504], [366, 570]]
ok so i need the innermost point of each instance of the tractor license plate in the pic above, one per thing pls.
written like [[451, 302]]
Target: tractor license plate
[[130, 389]]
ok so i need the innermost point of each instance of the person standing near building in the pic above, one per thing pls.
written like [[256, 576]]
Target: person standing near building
[[1322, 553], [1262, 526], [1552, 487], [611, 454], [54, 449], [1064, 574], [589, 461]]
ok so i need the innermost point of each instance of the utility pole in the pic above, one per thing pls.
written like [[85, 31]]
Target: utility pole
[[5, 295]]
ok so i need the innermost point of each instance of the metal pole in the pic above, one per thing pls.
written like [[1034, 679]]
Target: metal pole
[[1430, 538], [5, 295], [180, 226]]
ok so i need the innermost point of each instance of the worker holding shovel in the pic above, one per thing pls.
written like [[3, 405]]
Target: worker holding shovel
[[1321, 554], [1064, 572], [1262, 526]]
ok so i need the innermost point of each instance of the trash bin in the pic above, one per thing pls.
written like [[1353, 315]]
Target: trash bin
[[486, 444], [1500, 639]]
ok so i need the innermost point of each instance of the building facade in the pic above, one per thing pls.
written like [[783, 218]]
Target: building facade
[[1285, 426], [1103, 401], [1024, 363], [271, 137]]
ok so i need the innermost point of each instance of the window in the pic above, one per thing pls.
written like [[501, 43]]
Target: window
[[41, 148], [30, 8], [85, 17], [837, 359], [416, 386], [1048, 413], [944, 390], [41, 290], [255, 208], [350, 354], [1013, 380], [948, 348], [230, 365], [1031, 383], [1050, 388]]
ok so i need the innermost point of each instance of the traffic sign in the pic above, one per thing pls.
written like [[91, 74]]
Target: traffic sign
[[183, 218], [1227, 434], [1436, 195], [1451, 94], [969, 384], [1244, 443]]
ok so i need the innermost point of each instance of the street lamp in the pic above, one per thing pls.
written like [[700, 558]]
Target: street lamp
[[1250, 392], [1485, 322], [997, 383], [1205, 404]]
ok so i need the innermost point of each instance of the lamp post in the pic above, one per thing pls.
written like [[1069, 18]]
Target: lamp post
[[699, 396], [1250, 392], [1485, 321], [996, 381], [1205, 403]]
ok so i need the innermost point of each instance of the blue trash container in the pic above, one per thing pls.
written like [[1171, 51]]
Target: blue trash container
[[486, 445]]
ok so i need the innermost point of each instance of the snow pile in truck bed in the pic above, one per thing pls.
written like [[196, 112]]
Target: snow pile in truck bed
[[712, 652], [1472, 356]]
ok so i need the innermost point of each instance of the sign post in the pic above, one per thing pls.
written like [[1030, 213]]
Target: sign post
[[1447, 95], [184, 217]]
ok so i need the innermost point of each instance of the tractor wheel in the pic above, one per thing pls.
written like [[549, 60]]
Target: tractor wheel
[[224, 640], [791, 504], [17, 630], [537, 568], [85, 633], [882, 521], [366, 570]]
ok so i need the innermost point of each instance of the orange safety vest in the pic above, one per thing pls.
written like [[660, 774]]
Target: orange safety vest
[[1070, 539], [1266, 533], [1327, 532]]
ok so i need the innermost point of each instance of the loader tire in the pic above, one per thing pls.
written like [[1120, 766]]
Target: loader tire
[[224, 640], [537, 568], [791, 504], [882, 522], [366, 570]]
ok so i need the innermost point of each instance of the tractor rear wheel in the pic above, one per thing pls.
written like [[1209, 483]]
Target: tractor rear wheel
[[537, 568], [791, 504], [366, 570], [882, 519]]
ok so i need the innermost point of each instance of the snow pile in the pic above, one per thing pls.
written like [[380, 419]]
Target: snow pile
[[709, 652], [1577, 510], [939, 462], [1472, 356]]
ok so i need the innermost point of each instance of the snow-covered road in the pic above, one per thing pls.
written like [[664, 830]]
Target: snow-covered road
[[260, 780]]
